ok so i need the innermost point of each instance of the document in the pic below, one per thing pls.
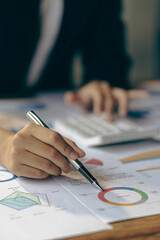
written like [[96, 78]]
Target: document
[[130, 192], [39, 209], [42, 209], [65, 206]]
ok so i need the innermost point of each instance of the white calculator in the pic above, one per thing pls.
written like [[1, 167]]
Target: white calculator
[[93, 130]]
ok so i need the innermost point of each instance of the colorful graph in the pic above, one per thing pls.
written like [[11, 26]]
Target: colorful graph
[[20, 200], [148, 169], [144, 196], [94, 161], [6, 176], [142, 156]]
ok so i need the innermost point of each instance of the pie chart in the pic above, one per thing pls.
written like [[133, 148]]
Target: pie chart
[[123, 196]]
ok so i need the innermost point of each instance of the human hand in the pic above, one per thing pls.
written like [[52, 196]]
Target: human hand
[[101, 97], [150, 85], [37, 152]]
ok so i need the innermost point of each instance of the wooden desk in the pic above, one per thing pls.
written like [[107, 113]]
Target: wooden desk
[[147, 228]]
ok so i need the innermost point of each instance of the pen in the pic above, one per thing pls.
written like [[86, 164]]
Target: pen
[[31, 115]]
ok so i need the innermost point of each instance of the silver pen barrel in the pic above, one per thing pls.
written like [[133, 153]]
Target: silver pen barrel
[[35, 119]]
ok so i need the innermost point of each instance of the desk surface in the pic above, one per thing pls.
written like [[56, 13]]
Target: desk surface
[[147, 228]]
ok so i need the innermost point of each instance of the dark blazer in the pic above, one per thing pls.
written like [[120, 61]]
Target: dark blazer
[[93, 27]]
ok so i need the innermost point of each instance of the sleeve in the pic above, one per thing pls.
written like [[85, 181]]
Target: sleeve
[[104, 53]]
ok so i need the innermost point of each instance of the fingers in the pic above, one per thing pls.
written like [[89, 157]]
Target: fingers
[[31, 160], [51, 138], [97, 100], [80, 97], [39, 148], [77, 98], [77, 149], [121, 97], [103, 98], [30, 172], [70, 97], [97, 94], [47, 152], [108, 100], [138, 94]]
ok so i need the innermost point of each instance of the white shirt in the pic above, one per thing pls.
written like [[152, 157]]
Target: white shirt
[[51, 13]]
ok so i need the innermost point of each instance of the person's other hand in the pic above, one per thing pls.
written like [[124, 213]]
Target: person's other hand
[[150, 85], [37, 152], [101, 97]]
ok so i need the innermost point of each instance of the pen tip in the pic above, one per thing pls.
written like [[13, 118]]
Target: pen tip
[[98, 186], [101, 188]]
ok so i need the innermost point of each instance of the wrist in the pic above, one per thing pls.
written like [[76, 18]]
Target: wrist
[[5, 147]]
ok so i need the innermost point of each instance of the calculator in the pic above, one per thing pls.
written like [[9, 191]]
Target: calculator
[[94, 130]]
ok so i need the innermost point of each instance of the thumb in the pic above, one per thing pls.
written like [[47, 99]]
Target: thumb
[[71, 98]]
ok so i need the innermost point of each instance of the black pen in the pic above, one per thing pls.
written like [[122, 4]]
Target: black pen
[[76, 163]]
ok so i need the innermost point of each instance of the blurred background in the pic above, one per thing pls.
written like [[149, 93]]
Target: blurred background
[[142, 25], [142, 20]]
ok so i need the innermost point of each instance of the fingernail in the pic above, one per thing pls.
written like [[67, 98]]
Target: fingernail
[[82, 152], [73, 155]]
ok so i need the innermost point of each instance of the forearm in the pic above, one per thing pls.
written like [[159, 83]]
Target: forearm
[[5, 137]]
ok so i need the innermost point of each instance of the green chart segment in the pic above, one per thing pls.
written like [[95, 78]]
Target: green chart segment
[[144, 196], [20, 200]]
